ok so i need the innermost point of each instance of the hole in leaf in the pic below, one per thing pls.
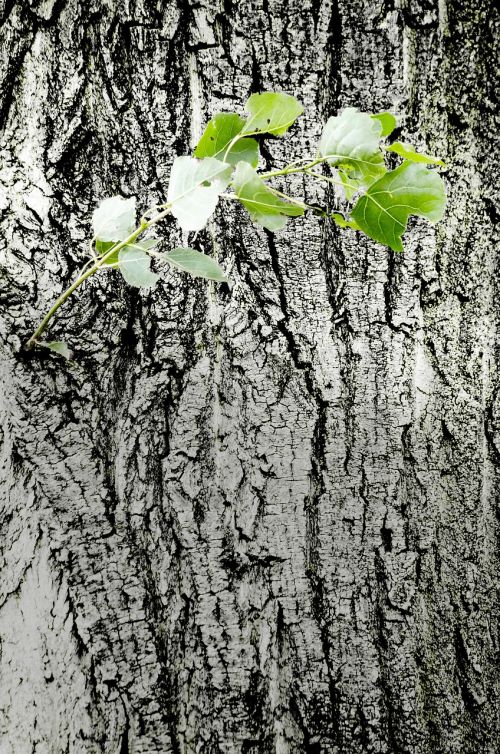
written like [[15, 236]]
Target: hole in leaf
[[269, 120], [206, 183], [212, 138]]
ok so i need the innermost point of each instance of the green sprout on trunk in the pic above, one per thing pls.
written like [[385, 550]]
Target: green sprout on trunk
[[377, 201]]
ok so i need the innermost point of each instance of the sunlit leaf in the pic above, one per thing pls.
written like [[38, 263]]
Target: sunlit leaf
[[219, 134], [196, 264], [149, 243], [352, 140], [264, 206], [388, 121], [134, 264], [194, 189], [271, 113], [383, 212], [408, 153], [114, 219]]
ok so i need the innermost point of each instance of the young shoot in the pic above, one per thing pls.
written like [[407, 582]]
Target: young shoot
[[376, 201]]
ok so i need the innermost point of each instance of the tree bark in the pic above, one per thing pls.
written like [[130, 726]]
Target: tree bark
[[260, 518]]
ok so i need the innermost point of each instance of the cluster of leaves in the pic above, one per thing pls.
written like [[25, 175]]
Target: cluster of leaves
[[227, 154], [377, 201], [114, 220]]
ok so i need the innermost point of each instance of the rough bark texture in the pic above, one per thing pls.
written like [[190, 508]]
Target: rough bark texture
[[261, 519]]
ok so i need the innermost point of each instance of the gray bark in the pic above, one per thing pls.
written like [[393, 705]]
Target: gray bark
[[261, 519]]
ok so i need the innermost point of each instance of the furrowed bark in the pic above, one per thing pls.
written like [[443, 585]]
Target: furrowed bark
[[257, 519]]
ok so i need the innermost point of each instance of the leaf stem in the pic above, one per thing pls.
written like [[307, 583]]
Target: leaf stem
[[290, 198], [331, 180], [144, 225], [289, 169]]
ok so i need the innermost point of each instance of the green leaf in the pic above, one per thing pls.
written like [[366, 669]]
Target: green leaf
[[349, 184], [194, 189], [342, 222], [388, 121], [246, 150], [265, 208], [217, 136], [383, 212], [408, 153], [134, 265], [271, 113], [149, 243], [352, 140], [197, 264], [114, 219], [102, 247], [58, 347]]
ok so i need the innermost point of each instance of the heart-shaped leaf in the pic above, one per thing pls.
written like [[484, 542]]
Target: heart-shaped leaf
[[194, 189], [196, 264], [383, 212], [271, 113], [408, 153], [134, 265], [264, 206], [114, 219], [219, 134], [352, 140]]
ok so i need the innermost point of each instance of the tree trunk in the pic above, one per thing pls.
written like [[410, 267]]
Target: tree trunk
[[259, 518]]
